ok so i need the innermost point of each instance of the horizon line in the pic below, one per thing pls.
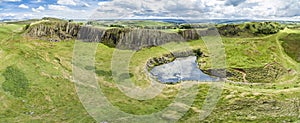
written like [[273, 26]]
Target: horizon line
[[159, 18]]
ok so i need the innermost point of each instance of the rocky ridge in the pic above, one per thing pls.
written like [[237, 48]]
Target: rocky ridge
[[53, 30], [122, 38]]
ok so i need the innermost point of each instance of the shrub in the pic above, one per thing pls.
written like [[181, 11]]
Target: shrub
[[185, 26], [116, 25]]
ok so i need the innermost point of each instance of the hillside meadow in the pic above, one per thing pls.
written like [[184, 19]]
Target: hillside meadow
[[264, 85]]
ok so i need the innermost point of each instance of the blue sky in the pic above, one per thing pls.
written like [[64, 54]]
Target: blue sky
[[189, 9]]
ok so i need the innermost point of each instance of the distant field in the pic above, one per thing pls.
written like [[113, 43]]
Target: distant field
[[131, 23]]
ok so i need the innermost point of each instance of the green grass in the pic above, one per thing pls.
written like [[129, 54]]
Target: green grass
[[51, 95], [51, 92], [15, 82]]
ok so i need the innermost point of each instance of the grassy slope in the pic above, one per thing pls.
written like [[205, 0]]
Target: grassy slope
[[276, 102], [291, 45], [53, 98]]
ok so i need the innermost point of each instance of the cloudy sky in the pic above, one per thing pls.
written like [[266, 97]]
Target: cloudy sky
[[189, 9]]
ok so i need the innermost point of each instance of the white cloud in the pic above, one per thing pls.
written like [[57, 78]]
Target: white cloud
[[36, 1], [154, 8], [11, 0], [57, 7], [191, 9], [85, 4], [73, 3], [39, 9], [17, 15], [66, 2], [8, 14], [27, 15], [197, 9], [102, 3], [23, 6]]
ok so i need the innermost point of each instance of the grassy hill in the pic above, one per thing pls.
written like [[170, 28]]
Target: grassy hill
[[291, 44], [49, 94]]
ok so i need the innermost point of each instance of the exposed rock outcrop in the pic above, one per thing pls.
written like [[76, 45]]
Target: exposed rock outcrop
[[194, 34], [125, 38], [121, 38], [156, 61], [53, 31], [90, 34]]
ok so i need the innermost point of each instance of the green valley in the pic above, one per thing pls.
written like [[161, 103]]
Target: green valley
[[37, 84]]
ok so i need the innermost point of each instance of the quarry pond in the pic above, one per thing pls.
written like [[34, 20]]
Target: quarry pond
[[181, 69]]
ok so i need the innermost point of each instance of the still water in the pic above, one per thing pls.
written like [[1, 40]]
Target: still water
[[181, 69]]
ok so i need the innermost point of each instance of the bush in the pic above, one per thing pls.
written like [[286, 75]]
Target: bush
[[116, 25], [15, 82], [268, 28], [185, 26], [250, 29], [198, 52], [26, 27]]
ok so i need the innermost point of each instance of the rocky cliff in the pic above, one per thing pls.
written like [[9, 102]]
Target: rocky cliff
[[125, 38], [53, 31], [122, 38], [195, 34], [129, 38]]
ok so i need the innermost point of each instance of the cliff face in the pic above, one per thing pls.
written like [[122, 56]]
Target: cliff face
[[190, 34], [194, 34], [137, 39], [53, 31], [89, 34], [122, 38], [128, 38]]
